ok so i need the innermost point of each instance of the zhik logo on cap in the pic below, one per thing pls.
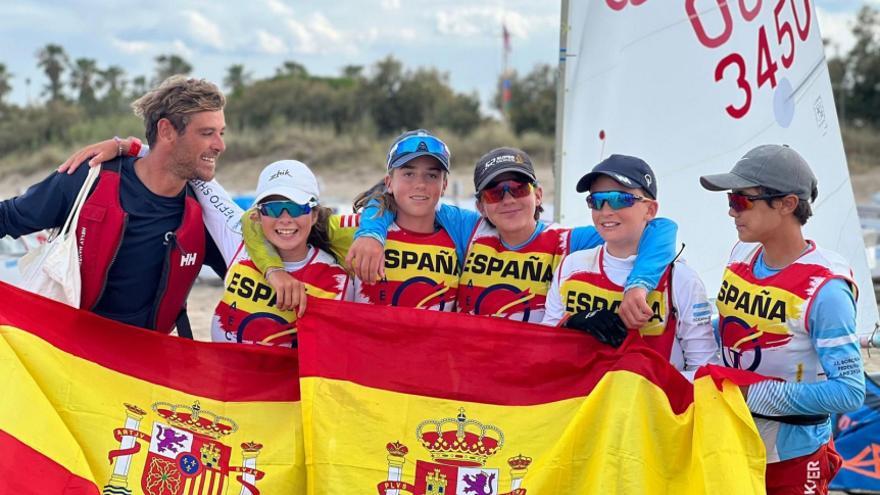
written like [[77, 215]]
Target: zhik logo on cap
[[281, 173]]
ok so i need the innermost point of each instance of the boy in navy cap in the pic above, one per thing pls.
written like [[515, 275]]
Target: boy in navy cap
[[587, 287]]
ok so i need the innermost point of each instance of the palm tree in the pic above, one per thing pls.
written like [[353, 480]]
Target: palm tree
[[236, 78], [138, 87], [84, 78], [112, 77], [169, 65], [5, 87], [53, 60], [291, 69]]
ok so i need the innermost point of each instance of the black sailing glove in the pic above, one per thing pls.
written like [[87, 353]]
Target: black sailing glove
[[603, 324]]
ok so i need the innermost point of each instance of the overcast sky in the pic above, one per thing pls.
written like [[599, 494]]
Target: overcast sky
[[462, 37]]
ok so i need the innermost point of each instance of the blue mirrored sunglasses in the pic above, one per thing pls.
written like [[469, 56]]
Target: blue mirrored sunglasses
[[274, 209], [414, 144], [615, 199]]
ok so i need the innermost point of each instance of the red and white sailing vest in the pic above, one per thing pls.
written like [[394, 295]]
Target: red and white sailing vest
[[764, 323], [511, 284], [99, 233], [247, 312], [583, 286], [421, 271]]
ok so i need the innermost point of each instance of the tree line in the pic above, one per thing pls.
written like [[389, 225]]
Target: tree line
[[80, 100]]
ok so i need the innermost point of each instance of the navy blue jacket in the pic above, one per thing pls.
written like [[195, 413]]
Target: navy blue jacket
[[132, 283]]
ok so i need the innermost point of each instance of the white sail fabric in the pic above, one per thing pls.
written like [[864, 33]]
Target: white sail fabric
[[660, 79]]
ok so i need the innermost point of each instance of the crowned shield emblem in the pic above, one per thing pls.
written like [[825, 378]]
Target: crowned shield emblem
[[186, 454], [459, 448]]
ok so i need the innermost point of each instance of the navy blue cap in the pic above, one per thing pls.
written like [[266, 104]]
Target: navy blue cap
[[630, 171]]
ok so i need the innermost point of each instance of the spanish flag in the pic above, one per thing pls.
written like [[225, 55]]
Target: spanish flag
[[406, 401], [92, 406]]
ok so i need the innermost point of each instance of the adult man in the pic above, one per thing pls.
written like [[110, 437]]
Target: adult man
[[787, 310], [140, 234]]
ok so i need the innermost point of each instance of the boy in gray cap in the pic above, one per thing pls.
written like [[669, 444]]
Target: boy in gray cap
[[787, 310]]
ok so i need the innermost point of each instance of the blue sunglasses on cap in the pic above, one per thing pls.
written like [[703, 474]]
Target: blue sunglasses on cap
[[419, 144], [274, 209], [615, 199]]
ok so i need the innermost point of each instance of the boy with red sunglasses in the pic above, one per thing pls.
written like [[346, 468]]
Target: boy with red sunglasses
[[786, 309], [587, 287], [508, 254]]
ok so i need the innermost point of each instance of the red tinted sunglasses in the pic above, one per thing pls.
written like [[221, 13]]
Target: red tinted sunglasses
[[495, 193], [742, 202]]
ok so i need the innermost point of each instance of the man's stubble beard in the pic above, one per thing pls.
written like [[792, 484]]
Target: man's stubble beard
[[190, 168]]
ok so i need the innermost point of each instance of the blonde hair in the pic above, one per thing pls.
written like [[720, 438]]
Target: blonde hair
[[176, 99]]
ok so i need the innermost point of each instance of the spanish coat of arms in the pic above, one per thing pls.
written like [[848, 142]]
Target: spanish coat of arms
[[186, 455], [459, 448]]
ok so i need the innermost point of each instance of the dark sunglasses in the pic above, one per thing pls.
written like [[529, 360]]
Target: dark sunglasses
[[274, 209], [742, 202], [615, 199], [413, 144], [494, 193]]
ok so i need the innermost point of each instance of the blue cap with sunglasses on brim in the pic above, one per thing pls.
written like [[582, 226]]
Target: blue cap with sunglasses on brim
[[413, 144], [630, 171], [289, 179]]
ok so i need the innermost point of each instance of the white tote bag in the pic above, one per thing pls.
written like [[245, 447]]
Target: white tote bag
[[52, 269]]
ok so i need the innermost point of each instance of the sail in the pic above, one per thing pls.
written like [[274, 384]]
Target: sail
[[690, 86]]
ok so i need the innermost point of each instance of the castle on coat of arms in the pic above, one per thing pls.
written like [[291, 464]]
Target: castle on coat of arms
[[186, 453], [459, 448]]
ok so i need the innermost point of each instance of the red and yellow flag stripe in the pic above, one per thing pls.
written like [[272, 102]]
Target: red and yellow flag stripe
[[69, 377], [589, 419]]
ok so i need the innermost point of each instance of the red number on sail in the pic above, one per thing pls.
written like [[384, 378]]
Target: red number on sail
[[694, 16], [766, 66], [622, 4], [803, 32], [737, 60], [783, 30], [749, 15]]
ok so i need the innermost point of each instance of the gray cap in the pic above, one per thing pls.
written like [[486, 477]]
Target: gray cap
[[771, 165], [499, 161]]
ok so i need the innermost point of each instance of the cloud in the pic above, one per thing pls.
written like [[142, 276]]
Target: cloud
[[202, 29], [390, 4], [269, 43], [132, 47], [470, 22], [318, 35], [324, 30], [836, 27], [305, 41], [181, 48], [279, 8]]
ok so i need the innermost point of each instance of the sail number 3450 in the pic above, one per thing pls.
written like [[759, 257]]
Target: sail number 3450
[[734, 64]]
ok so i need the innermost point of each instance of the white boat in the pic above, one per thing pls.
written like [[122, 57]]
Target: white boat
[[690, 87]]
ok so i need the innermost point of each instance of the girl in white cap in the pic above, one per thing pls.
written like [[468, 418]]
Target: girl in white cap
[[422, 268], [289, 216]]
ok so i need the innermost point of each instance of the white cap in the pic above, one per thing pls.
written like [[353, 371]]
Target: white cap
[[290, 179]]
